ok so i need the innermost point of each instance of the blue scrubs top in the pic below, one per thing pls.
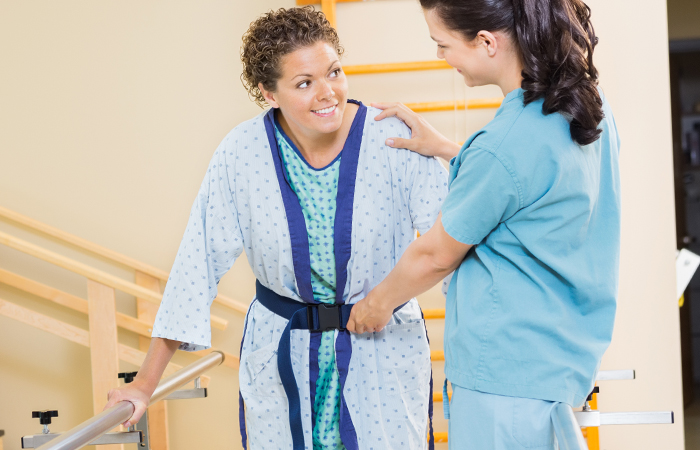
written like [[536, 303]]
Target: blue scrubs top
[[530, 311]]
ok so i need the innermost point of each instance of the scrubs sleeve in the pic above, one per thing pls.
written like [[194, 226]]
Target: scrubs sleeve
[[427, 189], [484, 192], [210, 246]]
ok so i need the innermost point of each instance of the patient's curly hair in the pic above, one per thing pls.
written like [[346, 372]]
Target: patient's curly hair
[[275, 34]]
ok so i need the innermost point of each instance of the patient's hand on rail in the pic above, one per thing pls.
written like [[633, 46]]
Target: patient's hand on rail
[[134, 393], [425, 139], [140, 390]]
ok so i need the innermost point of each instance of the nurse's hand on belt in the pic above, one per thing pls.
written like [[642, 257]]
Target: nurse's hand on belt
[[425, 139], [428, 259], [369, 315]]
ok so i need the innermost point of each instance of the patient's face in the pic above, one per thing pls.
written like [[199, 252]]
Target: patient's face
[[313, 90]]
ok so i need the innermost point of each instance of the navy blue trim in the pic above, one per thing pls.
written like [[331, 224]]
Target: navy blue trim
[[295, 217], [297, 313], [343, 352], [296, 150], [342, 228], [241, 403], [314, 345]]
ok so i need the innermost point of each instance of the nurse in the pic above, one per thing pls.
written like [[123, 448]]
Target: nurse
[[323, 211], [530, 227]]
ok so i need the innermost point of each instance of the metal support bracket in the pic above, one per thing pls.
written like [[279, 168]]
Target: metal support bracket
[[128, 437], [184, 394]]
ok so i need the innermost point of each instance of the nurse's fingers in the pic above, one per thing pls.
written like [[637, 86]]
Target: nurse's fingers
[[351, 325], [400, 111], [410, 144]]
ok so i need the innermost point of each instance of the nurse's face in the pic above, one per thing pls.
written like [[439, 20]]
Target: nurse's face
[[312, 92], [475, 60]]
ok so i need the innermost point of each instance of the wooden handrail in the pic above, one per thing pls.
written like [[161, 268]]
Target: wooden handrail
[[482, 103], [73, 333], [437, 355], [365, 69], [69, 301], [106, 253], [91, 273]]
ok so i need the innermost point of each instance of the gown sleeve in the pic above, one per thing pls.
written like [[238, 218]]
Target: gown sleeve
[[427, 189], [211, 244]]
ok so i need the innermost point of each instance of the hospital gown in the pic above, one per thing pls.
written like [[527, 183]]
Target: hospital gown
[[384, 195]]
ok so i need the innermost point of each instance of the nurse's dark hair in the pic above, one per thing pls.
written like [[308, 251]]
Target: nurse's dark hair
[[555, 39], [275, 34]]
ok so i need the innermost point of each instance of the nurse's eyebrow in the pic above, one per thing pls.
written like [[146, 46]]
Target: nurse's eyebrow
[[310, 76]]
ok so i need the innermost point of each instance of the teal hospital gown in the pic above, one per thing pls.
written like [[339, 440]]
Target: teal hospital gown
[[317, 191]]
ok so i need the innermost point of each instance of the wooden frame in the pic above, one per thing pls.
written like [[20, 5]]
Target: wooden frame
[[92, 273], [75, 334], [106, 253], [140, 327]]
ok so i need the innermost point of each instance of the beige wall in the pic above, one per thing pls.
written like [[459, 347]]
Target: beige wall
[[111, 111], [683, 19]]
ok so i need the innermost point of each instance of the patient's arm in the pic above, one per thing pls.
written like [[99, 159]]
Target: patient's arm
[[140, 390]]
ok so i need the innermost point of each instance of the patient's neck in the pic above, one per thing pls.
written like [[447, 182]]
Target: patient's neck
[[319, 149]]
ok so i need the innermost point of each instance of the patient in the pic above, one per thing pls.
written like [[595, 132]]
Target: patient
[[323, 211]]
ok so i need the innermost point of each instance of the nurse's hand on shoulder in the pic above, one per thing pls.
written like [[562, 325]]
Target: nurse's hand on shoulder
[[425, 139], [368, 315]]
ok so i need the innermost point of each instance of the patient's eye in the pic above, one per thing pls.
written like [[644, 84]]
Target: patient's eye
[[304, 84]]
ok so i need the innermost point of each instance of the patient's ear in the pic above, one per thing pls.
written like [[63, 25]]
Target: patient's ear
[[269, 96]]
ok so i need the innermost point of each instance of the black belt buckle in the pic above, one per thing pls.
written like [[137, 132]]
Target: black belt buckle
[[328, 317]]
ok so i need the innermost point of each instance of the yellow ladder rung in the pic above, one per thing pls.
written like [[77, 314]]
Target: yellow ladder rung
[[433, 314], [437, 355], [437, 396], [395, 67], [440, 437], [318, 2], [480, 103]]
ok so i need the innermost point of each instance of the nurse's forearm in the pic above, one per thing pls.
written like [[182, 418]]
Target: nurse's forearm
[[428, 260], [415, 273]]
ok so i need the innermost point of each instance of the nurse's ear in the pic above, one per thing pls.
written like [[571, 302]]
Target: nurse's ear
[[488, 41], [269, 96]]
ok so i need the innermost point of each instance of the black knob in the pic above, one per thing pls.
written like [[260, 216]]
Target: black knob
[[595, 390], [44, 416], [128, 376]]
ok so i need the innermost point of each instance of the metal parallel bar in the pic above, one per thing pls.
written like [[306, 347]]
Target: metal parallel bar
[[364, 69], [107, 420], [610, 375], [597, 418], [130, 437]]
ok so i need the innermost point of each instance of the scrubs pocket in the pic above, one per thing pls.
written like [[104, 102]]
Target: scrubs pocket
[[532, 423]]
